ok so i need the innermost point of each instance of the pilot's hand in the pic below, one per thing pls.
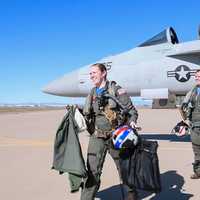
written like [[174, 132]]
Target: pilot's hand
[[134, 126], [184, 106]]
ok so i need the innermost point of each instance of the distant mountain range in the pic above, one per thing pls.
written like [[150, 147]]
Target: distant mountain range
[[137, 102], [32, 105]]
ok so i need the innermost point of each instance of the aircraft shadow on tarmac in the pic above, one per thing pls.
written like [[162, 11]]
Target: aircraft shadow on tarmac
[[172, 184], [170, 137]]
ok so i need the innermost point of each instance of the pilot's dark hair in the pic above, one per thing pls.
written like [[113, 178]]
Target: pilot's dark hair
[[198, 70], [101, 66]]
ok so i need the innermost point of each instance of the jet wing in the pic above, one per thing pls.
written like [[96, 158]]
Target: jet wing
[[192, 56]]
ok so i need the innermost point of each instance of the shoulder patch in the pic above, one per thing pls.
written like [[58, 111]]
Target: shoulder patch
[[121, 91], [93, 99]]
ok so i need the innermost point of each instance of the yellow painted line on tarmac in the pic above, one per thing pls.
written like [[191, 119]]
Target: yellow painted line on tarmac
[[28, 144], [5, 142], [46, 143], [9, 142]]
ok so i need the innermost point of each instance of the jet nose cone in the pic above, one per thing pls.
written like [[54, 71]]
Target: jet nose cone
[[65, 86]]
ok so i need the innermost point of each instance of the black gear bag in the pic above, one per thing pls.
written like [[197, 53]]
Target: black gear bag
[[140, 167]]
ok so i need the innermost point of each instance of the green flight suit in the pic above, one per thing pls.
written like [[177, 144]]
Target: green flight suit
[[100, 139], [192, 110]]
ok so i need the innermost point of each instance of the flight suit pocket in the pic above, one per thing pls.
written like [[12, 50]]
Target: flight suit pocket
[[195, 135], [96, 154]]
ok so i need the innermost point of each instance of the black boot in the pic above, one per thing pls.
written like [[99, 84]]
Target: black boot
[[195, 176], [132, 196], [196, 169]]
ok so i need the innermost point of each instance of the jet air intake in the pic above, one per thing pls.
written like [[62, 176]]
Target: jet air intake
[[166, 36]]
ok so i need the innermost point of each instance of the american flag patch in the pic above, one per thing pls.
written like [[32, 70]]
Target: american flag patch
[[121, 91], [93, 99]]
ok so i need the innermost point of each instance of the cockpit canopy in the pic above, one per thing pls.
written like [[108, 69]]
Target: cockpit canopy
[[166, 36]]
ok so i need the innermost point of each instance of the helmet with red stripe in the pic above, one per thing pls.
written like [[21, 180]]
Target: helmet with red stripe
[[124, 137], [181, 129]]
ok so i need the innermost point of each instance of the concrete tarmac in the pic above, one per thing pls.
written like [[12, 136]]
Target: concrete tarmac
[[26, 149]]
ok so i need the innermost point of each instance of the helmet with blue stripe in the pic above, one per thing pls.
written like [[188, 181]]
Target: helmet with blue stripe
[[124, 137]]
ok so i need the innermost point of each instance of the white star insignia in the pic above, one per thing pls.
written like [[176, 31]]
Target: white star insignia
[[182, 74]]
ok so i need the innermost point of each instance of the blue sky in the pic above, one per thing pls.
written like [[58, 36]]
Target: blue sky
[[41, 40]]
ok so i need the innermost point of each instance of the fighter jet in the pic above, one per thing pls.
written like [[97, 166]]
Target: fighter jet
[[160, 68]]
